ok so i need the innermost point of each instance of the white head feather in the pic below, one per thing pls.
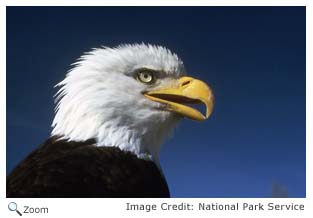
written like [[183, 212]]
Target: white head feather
[[100, 99]]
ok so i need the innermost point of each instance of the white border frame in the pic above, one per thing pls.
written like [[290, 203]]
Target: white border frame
[[116, 207]]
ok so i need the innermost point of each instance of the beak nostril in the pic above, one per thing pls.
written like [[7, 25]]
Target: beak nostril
[[185, 83]]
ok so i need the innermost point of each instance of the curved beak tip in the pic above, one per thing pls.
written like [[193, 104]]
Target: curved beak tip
[[194, 91]]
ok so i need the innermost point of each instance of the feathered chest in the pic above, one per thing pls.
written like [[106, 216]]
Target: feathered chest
[[79, 169]]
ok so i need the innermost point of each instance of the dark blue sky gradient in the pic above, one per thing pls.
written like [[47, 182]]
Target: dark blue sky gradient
[[253, 58]]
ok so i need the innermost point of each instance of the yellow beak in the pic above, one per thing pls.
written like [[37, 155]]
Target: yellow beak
[[187, 90]]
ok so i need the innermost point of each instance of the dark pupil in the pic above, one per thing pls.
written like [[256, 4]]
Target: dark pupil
[[145, 76]]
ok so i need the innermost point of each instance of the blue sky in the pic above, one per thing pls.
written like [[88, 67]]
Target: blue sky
[[252, 57]]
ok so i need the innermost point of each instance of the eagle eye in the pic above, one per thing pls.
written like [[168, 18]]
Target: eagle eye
[[146, 76]]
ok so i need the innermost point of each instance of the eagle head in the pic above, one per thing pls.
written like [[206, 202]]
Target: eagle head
[[129, 97]]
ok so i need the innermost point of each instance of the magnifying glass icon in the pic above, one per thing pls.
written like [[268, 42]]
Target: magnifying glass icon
[[13, 207]]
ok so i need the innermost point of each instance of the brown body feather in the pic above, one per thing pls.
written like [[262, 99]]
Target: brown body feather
[[59, 168]]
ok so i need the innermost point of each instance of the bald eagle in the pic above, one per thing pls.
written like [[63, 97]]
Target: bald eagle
[[113, 111]]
